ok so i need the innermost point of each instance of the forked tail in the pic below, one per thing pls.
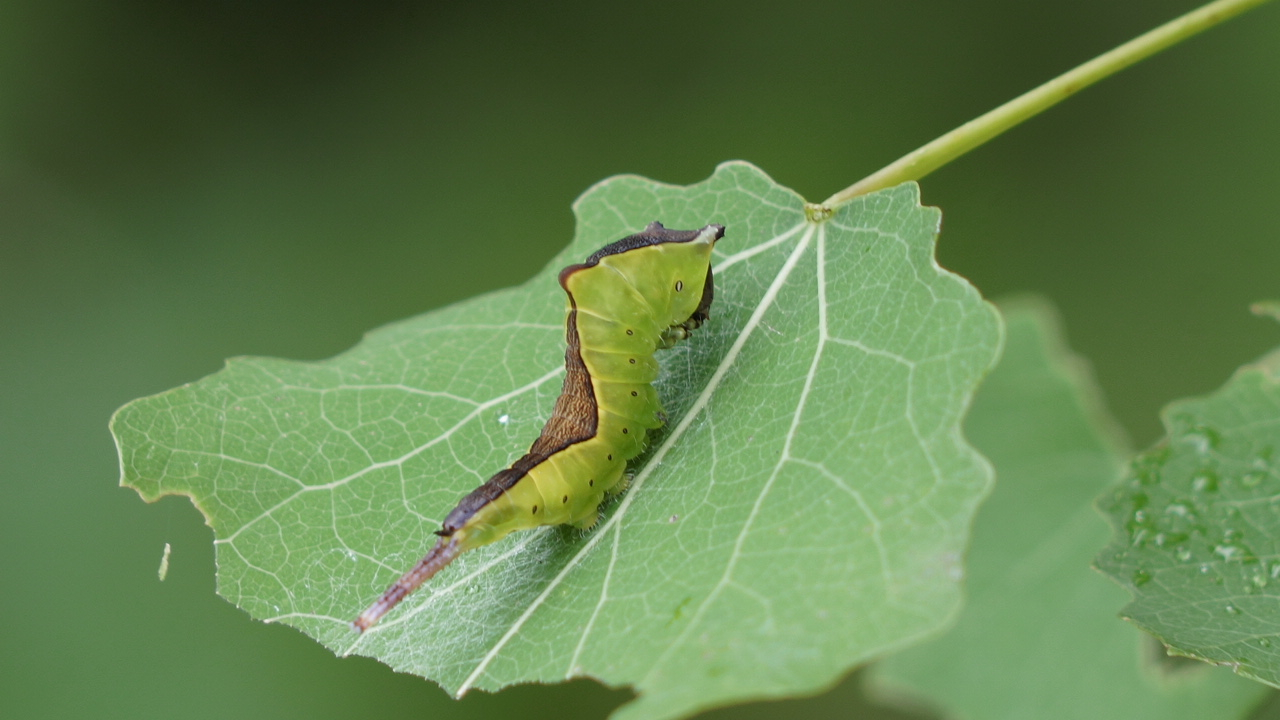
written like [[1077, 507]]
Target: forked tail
[[445, 550]]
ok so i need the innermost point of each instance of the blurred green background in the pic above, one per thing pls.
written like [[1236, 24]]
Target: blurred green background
[[183, 182]]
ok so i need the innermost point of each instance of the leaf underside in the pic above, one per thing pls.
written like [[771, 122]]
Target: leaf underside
[[1038, 636], [1197, 527], [804, 510]]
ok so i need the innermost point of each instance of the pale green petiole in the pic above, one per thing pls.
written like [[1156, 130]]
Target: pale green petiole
[[943, 150]]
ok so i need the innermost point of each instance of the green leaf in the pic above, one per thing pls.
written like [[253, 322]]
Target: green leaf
[[1039, 637], [1197, 526], [804, 511]]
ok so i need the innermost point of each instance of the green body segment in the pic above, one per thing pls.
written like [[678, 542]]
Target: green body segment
[[621, 306]]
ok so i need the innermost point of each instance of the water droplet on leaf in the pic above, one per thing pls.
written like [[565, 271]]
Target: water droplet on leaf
[[1202, 438], [1228, 552], [1205, 481]]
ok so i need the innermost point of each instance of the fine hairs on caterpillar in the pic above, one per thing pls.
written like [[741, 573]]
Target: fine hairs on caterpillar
[[642, 293]]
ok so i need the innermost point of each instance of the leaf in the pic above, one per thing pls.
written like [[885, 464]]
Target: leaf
[[1038, 636], [804, 511], [1196, 526]]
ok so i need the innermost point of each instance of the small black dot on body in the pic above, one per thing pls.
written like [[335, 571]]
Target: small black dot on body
[[591, 482], [610, 457], [679, 285], [624, 432], [535, 509], [633, 361], [634, 393], [629, 332], [566, 498]]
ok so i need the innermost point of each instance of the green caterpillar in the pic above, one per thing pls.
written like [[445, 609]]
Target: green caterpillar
[[630, 298]]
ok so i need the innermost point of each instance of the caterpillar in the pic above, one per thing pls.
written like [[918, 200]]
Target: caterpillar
[[639, 294]]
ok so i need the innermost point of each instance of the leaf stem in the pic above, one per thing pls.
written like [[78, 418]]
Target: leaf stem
[[943, 150]]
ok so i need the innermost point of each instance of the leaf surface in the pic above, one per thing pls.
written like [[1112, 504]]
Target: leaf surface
[[804, 510], [1197, 526], [1038, 636]]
